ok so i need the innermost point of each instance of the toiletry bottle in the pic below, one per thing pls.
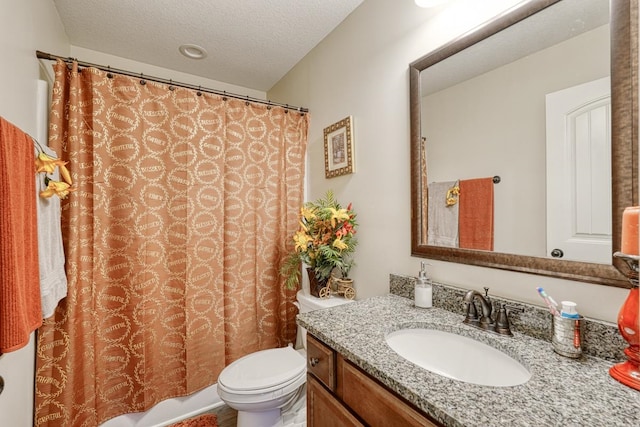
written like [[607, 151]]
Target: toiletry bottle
[[569, 310], [424, 291]]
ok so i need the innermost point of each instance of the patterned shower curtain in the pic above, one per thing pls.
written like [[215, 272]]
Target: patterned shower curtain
[[184, 206]]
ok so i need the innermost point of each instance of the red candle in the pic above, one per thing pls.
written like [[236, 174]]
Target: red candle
[[630, 231]]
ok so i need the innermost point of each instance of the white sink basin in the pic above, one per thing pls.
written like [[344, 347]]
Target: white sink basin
[[458, 357]]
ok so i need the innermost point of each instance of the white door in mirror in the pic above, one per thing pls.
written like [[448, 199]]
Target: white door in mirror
[[579, 172]]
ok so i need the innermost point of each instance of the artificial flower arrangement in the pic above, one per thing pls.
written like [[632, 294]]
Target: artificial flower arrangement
[[325, 240], [48, 164]]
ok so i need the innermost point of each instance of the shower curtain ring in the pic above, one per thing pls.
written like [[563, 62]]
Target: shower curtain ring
[[142, 80], [199, 93], [109, 74], [171, 88]]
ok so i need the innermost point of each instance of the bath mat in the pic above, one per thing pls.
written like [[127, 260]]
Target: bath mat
[[206, 420]]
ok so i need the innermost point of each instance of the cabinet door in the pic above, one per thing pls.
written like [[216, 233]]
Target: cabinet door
[[376, 405], [324, 410], [321, 362]]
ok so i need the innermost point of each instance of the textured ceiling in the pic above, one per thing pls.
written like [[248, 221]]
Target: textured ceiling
[[250, 43]]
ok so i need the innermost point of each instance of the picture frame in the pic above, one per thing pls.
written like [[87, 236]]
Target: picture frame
[[338, 148]]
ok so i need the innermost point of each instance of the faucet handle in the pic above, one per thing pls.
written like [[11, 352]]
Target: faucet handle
[[487, 297], [472, 313], [502, 321]]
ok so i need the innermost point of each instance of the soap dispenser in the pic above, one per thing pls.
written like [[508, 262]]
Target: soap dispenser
[[423, 296]]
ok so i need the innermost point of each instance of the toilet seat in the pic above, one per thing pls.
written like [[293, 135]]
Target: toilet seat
[[260, 386], [263, 371]]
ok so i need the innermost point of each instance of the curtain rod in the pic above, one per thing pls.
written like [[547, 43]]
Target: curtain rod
[[50, 57]]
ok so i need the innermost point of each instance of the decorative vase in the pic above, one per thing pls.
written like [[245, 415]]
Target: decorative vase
[[628, 372], [315, 285]]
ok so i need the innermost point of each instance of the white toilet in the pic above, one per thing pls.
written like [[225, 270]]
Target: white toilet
[[263, 385]]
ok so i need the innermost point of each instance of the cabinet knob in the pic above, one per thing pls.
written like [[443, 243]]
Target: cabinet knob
[[313, 361]]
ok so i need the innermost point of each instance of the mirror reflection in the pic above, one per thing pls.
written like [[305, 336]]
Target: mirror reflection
[[541, 97], [531, 105]]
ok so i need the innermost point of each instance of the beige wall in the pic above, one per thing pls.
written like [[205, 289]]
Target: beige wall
[[25, 26], [361, 69]]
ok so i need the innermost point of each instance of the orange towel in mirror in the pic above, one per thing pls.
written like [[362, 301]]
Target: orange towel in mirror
[[475, 215]]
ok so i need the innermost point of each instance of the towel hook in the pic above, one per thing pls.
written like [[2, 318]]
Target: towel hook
[[496, 179]]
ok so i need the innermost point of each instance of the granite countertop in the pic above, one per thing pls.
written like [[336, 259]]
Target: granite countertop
[[561, 391]]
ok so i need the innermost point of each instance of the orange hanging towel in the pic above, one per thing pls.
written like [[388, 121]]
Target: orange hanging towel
[[20, 310], [475, 214]]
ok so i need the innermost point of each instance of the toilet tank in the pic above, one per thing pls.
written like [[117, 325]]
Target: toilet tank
[[307, 303]]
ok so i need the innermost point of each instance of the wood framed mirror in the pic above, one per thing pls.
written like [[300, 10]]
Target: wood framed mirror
[[623, 35]]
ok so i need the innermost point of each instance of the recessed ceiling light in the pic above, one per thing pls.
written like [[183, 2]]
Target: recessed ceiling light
[[429, 3], [193, 51]]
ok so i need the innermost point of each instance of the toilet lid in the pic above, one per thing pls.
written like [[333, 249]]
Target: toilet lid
[[263, 369]]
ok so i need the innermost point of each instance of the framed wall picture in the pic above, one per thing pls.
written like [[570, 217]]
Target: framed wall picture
[[338, 148]]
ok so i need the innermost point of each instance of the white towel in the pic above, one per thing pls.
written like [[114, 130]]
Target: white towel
[[53, 279], [442, 219]]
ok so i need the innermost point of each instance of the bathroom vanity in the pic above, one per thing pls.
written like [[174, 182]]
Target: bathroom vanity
[[355, 378], [337, 390]]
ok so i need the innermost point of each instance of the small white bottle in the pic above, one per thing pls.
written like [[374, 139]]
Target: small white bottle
[[423, 296], [569, 310]]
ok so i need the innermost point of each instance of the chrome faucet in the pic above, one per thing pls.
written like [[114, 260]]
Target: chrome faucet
[[485, 321]]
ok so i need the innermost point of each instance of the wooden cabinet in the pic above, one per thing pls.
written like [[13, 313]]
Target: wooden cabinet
[[324, 410], [374, 403], [341, 394], [321, 362]]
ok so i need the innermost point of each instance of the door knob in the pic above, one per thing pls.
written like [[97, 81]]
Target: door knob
[[557, 253]]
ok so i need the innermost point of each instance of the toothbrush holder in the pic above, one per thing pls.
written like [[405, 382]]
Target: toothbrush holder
[[567, 336]]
